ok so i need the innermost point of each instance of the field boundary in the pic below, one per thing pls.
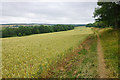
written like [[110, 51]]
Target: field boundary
[[61, 65]]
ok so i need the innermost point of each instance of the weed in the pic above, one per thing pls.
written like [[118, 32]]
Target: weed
[[83, 51]]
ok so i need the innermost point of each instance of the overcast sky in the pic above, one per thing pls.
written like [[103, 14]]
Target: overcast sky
[[47, 12]]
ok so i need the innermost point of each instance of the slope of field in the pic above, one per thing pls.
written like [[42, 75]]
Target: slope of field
[[82, 64], [109, 40], [30, 56]]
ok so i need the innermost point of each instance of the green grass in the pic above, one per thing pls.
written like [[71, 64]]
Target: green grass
[[84, 65], [83, 51], [88, 67], [109, 40], [30, 56]]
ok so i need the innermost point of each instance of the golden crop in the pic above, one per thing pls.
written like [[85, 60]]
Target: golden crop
[[24, 57]]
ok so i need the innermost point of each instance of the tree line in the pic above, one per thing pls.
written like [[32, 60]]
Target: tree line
[[28, 30], [97, 24], [107, 14]]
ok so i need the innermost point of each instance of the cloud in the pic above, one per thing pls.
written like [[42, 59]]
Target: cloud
[[49, 0], [48, 12]]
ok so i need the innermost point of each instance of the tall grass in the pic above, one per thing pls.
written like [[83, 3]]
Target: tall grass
[[88, 68], [83, 65], [109, 40], [32, 56]]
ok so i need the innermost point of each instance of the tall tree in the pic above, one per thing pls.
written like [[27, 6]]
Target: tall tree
[[108, 13]]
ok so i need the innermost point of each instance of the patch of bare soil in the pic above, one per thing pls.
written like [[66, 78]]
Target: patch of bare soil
[[101, 63]]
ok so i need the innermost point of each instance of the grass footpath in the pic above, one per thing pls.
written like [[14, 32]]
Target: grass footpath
[[82, 64], [109, 41]]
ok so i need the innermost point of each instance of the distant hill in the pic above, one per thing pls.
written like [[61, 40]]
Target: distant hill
[[41, 24]]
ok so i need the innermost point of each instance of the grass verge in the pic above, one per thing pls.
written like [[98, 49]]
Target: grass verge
[[109, 41], [83, 63]]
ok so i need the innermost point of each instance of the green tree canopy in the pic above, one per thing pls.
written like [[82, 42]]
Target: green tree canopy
[[108, 13]]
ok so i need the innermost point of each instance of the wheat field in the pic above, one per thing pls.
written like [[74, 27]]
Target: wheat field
[[28, 56]]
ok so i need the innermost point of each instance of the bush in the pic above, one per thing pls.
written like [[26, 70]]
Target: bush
[[19, 34]]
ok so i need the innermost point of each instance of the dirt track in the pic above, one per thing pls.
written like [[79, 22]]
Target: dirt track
[[101, 62]]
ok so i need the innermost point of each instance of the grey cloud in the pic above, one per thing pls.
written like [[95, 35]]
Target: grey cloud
[[48, 12]]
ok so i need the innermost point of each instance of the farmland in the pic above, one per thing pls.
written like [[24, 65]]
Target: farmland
[[29, 56], [49, 40]]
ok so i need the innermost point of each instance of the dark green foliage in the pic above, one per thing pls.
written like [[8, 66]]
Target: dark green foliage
[[90, 25], [97, 24], [35, 30], [28, 30], [9, 32], [108, 13], [83, 51], [19, 34]]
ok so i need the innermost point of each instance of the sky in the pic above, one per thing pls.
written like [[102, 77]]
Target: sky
[[47, 12]]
